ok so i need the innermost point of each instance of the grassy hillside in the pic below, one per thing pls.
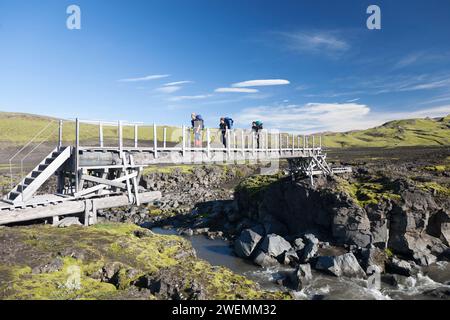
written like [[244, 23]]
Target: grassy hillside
[[18, 128], [400, 133]]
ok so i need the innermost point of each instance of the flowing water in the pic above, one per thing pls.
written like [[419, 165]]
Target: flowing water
[[219, 252]]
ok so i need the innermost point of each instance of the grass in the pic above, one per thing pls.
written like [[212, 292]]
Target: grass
[[20, 128], [401, 133]]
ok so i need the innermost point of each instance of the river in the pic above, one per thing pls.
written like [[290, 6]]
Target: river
[[219, 252]]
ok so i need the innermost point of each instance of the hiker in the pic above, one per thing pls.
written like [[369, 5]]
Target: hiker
[[223, 130], [197, 126], [257, 127], [226, 123]]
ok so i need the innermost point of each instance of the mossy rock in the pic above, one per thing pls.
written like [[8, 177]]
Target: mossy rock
[[86, 251]]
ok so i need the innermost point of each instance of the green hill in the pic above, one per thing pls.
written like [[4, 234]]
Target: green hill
[[19, 128], [399, 133]]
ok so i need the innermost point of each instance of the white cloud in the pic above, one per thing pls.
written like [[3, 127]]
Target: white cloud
[[320, 117], [196, 97], [146, 78], [239, 90], [176, 83], [259, 83], [327, 42], [170, 89]]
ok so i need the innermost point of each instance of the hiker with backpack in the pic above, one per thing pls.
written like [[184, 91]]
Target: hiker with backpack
[[225, 124], [197, 127], [257, 127]]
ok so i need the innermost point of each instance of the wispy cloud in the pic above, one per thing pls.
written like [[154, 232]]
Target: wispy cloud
[[168, 89], [236, 90], [325, 42], [260, 83], [320, 117], [409, 59], [177, 83], [146, 78], [194, 97], [421, 57]]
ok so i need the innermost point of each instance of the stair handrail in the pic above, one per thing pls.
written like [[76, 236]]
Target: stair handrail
[[23, 148], [32, 150]]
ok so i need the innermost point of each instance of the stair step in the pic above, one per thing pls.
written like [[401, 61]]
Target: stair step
[[42, 167], [49, 160], [56, 154], [29, 180], [13, 195], [21, 187], [35, 173]]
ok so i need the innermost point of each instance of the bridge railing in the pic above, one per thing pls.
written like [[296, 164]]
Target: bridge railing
[[122, 135]]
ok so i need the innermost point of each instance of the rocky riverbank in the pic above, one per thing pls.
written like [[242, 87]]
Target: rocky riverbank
[[393, 219], [111, 261], [389, 217]]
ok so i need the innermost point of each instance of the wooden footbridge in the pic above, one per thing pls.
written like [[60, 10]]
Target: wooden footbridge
[[98, 174]]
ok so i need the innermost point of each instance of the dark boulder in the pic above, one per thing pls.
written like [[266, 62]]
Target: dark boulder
[[275, 245], [344, 265], [247, 242]]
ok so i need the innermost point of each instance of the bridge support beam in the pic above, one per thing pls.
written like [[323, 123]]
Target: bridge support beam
[[88, 206]]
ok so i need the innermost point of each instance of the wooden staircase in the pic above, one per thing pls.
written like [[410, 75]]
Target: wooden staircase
[[25, 190]]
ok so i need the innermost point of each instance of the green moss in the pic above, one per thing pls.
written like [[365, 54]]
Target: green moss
[[389, 252], [435, 187], [438, 168], [256, 185], [185, 169], [368, 192], [101, 245]]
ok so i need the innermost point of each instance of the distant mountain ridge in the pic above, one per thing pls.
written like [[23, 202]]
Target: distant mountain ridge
[[19, 128]]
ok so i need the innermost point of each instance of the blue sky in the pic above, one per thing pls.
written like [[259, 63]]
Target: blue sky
[[303, 66]]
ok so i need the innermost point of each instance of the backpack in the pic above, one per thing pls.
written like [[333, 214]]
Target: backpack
[[259, 124], [199, 118], [229, 122]]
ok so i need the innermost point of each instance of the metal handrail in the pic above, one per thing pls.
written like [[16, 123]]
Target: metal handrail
[[32, 150], [23, 148]]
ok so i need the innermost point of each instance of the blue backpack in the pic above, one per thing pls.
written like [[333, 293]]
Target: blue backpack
[[199, 118], [229, 122]]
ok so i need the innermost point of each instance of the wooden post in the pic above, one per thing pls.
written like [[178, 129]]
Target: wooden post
[[135, 136], [60, 134], [100, 134], [77, 147], [313, 142], [227, 132], [155, 141], [165, 137], [320, 141], [293, 143], [208, 143], [119, 129], [253, 143], [183, 140], [243, 143]]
